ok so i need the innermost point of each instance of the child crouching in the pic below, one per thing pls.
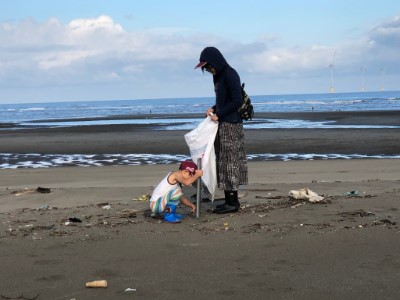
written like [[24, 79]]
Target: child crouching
[[168, 193]]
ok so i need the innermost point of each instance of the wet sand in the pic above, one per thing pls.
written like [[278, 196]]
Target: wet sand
[[144, 139]]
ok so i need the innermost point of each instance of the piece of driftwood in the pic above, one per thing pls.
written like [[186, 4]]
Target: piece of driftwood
[[39, 189]]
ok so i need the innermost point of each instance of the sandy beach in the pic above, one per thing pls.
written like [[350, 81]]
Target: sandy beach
[[275, 247]]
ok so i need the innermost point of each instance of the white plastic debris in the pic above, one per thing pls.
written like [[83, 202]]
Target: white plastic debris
[[305, 194]]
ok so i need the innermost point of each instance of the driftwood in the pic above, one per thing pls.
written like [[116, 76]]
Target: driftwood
[[39, 189]]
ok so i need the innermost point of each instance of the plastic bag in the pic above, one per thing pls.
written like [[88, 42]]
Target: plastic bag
[[201, 145]]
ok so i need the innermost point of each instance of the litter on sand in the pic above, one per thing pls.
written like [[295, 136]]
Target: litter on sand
[[39, 189], [305, 194], [75, 220], [97, 284], [351, 193], [144, 197]]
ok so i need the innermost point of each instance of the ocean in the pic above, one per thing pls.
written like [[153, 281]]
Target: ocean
[[26, 112], [28, 115]]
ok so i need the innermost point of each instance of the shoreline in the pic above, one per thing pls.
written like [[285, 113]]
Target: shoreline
[[368, 117]]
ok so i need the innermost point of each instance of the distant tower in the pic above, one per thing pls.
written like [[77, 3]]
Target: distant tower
[[332, 89], [362, 78], [383, 79]]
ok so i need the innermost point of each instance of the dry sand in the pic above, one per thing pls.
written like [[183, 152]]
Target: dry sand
[[275, 248]]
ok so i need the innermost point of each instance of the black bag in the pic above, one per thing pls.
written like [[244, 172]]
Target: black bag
[[246, 111]]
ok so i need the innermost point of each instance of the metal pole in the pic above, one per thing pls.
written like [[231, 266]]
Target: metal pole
[[198, 194]]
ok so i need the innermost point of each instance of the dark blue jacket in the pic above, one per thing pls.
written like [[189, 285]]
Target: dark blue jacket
[[228, 88]]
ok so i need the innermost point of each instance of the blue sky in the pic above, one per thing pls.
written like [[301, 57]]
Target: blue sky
[[102, 50]]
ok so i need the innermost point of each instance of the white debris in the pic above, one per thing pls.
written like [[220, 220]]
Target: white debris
[[305, 194]]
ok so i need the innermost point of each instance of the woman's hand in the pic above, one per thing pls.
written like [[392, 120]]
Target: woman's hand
[[214, 117], [209, 112]]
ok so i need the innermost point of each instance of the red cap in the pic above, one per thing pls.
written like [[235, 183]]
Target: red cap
[[200, 64], [189, 166]]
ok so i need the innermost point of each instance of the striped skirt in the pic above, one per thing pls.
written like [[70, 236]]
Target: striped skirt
[[231, 156]]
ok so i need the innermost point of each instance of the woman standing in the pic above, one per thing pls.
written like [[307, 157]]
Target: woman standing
[[229, 143]]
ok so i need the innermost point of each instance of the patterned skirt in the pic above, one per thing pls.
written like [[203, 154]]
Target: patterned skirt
[[231, 156]]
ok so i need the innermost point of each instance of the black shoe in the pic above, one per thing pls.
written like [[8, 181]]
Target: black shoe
[[220, 205], [227, 201], [218, 208], [226, 209], [223, 204]]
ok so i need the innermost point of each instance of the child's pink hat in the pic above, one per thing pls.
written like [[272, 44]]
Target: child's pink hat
[[189, 166]]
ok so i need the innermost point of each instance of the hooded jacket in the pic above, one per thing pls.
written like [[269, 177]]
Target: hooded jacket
[[227, 86]]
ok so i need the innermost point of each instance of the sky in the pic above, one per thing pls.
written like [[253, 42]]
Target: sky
[[132, 49]]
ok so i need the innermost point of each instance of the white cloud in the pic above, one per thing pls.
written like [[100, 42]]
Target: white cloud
[[384, 45], [84, 45], [293, 60], [87, 26], [98, 52], [387, 33], [60, 59]]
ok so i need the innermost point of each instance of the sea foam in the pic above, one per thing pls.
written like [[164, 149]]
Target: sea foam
[[34, 160]]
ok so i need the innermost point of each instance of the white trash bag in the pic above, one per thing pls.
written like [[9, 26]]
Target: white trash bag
[[201, 145]]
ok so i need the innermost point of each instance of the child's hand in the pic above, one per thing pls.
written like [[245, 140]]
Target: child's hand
[[193, 208], [199, 173]]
